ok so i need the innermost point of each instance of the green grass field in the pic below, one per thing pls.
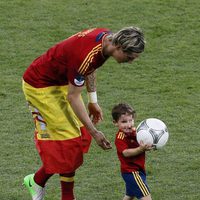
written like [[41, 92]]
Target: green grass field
[[163, 83]]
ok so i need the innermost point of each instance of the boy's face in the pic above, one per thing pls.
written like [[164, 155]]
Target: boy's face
[[125, 123]]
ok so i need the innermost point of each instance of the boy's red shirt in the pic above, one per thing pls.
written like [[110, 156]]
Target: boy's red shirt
[[127, 141]]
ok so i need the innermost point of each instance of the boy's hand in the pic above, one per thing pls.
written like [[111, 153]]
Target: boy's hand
[[146, 147]]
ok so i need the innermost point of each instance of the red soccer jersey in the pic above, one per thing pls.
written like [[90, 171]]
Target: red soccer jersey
[[129, 164], [68, 61]]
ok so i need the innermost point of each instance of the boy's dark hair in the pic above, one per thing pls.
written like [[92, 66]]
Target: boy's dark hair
[[121, 109]]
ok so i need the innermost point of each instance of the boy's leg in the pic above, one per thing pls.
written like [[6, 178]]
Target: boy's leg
[[143, 198], [128, 198], [136, 186], [147, 197], [67, 186]]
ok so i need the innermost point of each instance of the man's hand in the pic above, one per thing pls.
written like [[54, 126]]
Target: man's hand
[[101, 140], [95, 112]]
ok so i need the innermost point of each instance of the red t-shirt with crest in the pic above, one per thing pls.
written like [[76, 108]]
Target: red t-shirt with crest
[[127, 141]]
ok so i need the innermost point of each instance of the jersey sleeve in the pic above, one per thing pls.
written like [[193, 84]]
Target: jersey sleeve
[[84, 53], [120, 143]]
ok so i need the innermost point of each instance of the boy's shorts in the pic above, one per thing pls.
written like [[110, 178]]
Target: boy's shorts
[[136, 185], [59, 138]]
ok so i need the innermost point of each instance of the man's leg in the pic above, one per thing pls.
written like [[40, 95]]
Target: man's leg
[[35, 183], [67, 186]]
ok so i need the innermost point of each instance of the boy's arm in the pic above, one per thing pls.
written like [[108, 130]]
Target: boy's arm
[[136, 151]]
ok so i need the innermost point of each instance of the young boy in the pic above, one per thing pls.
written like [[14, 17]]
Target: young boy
[[130, 153]]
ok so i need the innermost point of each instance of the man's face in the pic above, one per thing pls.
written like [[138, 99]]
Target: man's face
[[125, 123], [123, 57]]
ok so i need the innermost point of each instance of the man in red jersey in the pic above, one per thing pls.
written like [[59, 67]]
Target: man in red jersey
[[52, 85], [130, 153]]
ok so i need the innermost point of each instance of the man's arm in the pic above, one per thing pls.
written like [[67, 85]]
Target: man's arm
[[91, 82], [94, 109], [74, 98]]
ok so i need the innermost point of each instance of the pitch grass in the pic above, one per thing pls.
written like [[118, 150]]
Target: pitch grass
[[163, 83]]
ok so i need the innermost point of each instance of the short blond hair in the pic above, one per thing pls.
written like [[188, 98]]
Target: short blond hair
[[130, 39]]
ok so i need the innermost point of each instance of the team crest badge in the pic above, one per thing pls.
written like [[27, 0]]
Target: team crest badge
[[79, 80]]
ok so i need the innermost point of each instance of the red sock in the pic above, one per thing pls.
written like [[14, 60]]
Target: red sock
[[41, 177], [67, 186]]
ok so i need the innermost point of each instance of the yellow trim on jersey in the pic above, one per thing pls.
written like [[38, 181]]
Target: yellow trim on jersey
[[90, 58], [120, 135], [67, 179], [140, 184], [84, 66]]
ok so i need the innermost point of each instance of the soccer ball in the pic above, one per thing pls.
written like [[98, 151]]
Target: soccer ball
[[152, 131]]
